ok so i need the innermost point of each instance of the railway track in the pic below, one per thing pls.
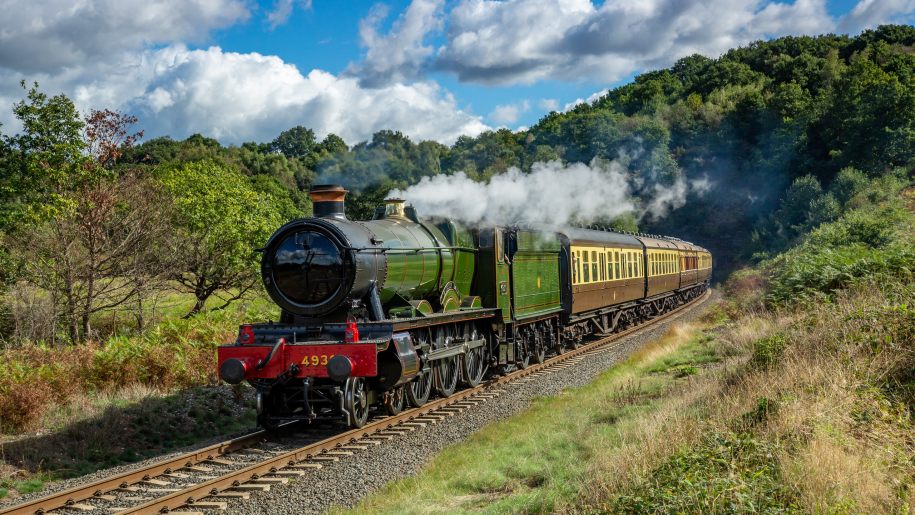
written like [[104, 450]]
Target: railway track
[[209, 478]]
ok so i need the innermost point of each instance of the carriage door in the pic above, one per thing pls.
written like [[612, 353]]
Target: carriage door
[[503, 284]]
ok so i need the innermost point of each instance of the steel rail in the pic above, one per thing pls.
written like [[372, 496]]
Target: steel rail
[[196, 492], [79, 493]]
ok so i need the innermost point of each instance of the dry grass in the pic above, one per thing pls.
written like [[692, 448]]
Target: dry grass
[[830, 408]]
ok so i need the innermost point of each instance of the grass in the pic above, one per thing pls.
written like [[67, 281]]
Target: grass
[[539, 460]]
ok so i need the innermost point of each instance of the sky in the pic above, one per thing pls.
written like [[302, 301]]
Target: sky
[[245, 70]]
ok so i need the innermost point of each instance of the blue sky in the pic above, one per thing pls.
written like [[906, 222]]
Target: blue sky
[[243, 70]]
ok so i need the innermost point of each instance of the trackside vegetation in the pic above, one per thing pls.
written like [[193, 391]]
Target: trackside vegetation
[[796, 393]]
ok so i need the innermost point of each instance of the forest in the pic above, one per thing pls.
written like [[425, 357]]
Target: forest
[[123, 243]]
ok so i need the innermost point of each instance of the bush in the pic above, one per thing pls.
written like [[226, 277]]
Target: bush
[[820, 272], [23, 403], [848, 183], [873, 228], [768, 351]]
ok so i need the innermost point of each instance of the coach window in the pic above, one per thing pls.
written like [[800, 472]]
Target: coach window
[[603, 266], [594, 272], [616, 265], [586, 268], [609, 261], [575, 267]]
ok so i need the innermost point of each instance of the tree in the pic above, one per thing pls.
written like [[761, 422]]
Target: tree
[[44, 161], [333, 144], [107, 137], [848, 183], [218, 220], [85, 256], [295, 142]]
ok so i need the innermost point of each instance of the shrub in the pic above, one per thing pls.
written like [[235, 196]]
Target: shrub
[[22, 404], [848, 183], [872, 228], [819, 272], [768, 351]]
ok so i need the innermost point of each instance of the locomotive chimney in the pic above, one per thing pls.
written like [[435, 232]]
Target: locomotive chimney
[[328, 200]]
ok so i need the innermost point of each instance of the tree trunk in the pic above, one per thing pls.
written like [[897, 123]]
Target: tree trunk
[[199, 303], [201, 293], [140, 320], [86, 327]]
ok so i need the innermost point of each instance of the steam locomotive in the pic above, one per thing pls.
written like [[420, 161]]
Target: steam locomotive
[[384, 313]]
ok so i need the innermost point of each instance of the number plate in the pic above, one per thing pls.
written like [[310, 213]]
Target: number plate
[[312, 359]]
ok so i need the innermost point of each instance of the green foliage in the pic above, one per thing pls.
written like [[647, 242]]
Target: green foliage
[[220, 219], [820, 273], [728, 472], [295, 142], [768, 351], [867, 244], [27, 486], [869, 227], [625, 222], [44, 162], [848, 183]]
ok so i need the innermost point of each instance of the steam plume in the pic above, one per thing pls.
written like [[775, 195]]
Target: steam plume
[[552, 194]]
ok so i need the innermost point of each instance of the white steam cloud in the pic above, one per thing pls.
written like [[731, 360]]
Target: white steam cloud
[[552, 194]]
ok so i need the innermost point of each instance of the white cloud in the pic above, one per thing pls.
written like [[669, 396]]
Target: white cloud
[[282, 10], [509, 113], [548, 104], [51, 35], [870, 13], [523, 41], [242, 97], [589, 100], [401, 54]]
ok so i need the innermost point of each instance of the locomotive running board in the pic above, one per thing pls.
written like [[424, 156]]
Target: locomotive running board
[[443, 318]]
